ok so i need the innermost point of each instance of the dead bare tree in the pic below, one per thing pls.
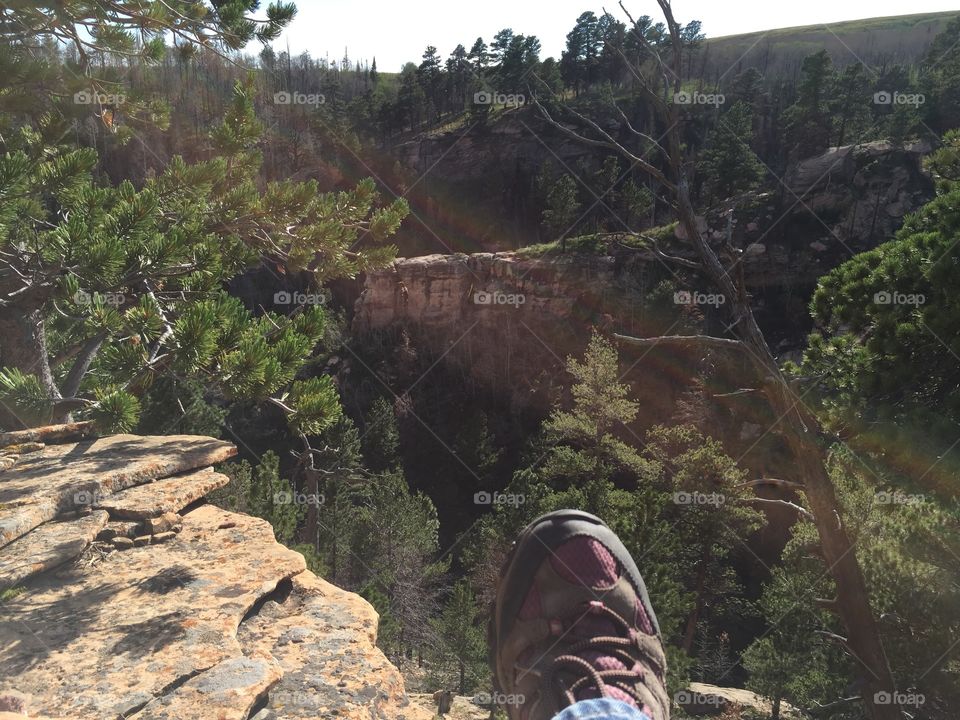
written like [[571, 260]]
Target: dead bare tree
[[659, 81]]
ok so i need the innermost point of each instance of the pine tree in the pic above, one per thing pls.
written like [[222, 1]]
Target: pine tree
[[562, 208], [807, 122], [381, 436], [479, 56], [729, 166], [459, 660], [713, 520], [884, 318], [384, 546], [907, 544], [100, 36], [119, 286]]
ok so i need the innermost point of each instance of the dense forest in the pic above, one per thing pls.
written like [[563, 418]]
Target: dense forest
[[188, 214]]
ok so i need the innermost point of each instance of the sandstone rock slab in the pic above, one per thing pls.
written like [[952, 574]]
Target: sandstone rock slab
[[168, 495], [46, 547], [226, 691], [103, 641], [61, 477], [325, 641]]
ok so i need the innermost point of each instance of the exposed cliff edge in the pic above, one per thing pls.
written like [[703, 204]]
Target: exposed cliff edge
[[128, 596], [509, 319], [474, 192]]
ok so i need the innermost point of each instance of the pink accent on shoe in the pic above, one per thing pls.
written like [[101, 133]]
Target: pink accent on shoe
[[602, 662], [586, 561], [530, 609], [642, 619]]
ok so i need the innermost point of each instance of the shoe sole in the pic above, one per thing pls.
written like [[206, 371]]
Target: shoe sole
[[533, 546]]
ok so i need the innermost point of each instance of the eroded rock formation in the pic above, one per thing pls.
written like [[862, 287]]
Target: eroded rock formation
[[198, 613], [510, 319]]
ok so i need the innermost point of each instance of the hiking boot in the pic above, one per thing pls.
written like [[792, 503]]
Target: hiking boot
[[573, 621]]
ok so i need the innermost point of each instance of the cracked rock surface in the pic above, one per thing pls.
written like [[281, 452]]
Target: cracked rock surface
[[47, 547], [170, 494], [217, 620], [60, 478]]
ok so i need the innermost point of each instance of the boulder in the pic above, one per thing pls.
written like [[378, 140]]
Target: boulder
[[701, 699]]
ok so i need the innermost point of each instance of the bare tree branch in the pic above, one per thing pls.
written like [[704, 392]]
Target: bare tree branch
[[687, 341], [71, 384], [782, 503], [772, 481]]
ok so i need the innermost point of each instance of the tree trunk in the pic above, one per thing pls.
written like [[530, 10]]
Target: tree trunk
[[691, 632], [802, 433], [23, 345], [312, 491]]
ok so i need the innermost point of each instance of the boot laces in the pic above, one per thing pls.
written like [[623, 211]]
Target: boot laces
[[571, 673]]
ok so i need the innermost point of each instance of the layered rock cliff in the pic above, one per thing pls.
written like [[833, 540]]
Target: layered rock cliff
[[126, 595], [509, 319]]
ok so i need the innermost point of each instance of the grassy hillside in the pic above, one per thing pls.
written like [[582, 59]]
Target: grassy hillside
[[876, 41]]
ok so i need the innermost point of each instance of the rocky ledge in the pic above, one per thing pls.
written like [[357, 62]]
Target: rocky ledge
[[125, 595]]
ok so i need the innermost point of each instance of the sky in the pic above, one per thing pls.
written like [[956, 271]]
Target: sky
[[398, 31]]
